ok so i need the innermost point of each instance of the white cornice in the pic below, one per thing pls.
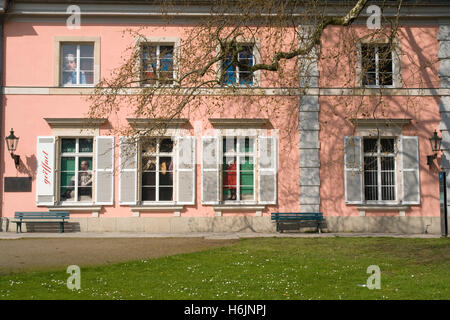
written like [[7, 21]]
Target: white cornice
[[75, 122]]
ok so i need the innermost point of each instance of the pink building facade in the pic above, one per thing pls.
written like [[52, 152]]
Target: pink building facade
[[345, 144]]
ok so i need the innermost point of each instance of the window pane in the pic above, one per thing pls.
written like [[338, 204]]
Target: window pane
[[370, 163], [246, 145], [149, 146], [149, 178], [69, 77], [148, 163], [68, 145], [368, 58], [385, 79], [387, 163], [67, 164], [229, 145], [67, 187], [165, 193], [148, 60], [387, 145], [68, 64], [369, 79], [370, 145], [85, 178], [86, 145], [370, 178], [165, 171], [87, 64], [87, 51], [85, 163], [229, 178], [148, 193], [246, 178], [68, 178], [166, 145], [230, 71], [246, 61]]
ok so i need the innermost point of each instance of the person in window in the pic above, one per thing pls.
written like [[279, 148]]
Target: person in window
[[85, 180], [230, 178], [70, 70], [84, 183]]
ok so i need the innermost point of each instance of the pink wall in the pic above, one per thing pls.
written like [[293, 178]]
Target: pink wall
[[30, 58]]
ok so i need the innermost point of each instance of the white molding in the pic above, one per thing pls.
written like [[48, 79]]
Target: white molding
[[32, 90], [219, 209], [157, 208]]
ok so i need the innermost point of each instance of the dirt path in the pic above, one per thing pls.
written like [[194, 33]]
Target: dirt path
[[34, 254]]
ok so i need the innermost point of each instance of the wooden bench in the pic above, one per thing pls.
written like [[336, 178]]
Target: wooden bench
[[40, 217], [297, 217]]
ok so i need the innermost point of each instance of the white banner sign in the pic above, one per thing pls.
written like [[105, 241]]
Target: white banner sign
[[46, 166]]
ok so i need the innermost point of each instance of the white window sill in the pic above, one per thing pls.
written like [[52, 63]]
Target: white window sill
[[157, 208], [382, 207], [238, 207]]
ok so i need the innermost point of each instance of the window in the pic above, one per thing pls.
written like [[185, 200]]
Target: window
[[76, 179], [239, 73], [238, 169], [77, 64], [379, 169], [376, 64], [157, 64], [157, 170]]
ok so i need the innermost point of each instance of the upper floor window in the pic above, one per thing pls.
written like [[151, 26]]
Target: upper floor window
[[157, 64], [77, 64], [239, 73], [376, 64]]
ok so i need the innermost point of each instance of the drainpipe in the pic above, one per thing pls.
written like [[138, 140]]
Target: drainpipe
[[4, 5]]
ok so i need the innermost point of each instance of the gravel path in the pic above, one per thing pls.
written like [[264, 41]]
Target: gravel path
[[34, 254]]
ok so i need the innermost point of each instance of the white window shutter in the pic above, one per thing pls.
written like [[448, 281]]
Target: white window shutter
[[267, 169], [353, 170], [410, 171], [128, 178], [45, 175], [210, 170], [104, 170], [186, 163]]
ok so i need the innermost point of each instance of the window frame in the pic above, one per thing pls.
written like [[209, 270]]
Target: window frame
[[78, 69], [237, 154], [158, 41], [157, 154], [158, 46], [379, 155], [256, 59], [76, 155], [58, 43], [396, 63]]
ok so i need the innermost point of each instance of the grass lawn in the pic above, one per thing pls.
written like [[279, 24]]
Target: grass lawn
[[265, 268]]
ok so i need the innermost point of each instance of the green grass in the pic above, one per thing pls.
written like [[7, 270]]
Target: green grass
[[268, 268]]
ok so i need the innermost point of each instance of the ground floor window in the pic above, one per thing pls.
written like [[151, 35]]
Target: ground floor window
[[238, 168], [76, 179], [157, 169], [379, 169]]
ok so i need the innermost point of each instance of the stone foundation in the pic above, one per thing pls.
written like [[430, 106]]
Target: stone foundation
[[168, 225]]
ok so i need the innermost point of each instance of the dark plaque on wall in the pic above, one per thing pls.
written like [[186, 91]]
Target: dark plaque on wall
[[15, 184]]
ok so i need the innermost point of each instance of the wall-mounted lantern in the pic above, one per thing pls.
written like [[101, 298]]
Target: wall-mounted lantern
[[11, 142], [435, 142]]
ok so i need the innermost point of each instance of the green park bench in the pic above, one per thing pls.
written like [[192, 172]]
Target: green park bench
[[40, 217], [300, 218]]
